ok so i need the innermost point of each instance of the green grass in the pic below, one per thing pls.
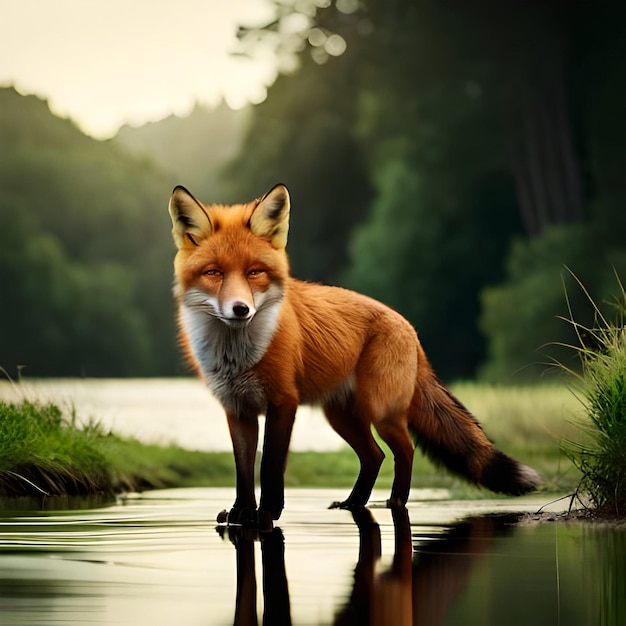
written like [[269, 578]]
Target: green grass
[[340, 469], [600, 452], [41, 452], [527, 422], [44, 450]]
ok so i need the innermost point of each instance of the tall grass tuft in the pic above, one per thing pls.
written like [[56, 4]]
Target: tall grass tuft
[[42, 452], [601, 456]]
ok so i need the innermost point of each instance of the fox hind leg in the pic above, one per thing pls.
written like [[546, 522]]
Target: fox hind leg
[[385, 384], [395, 433], [357, 433]]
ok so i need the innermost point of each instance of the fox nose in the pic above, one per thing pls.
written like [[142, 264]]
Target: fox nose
[[241, 309]]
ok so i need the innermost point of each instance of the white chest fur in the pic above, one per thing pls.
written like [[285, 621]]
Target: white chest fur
[[227, 354]]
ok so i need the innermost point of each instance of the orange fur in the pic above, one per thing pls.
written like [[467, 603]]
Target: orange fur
[[265, 342]]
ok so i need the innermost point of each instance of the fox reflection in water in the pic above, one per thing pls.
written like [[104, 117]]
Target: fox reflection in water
[[276, 607], [417, 589]]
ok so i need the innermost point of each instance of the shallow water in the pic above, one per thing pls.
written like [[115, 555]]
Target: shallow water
[[159, 559]]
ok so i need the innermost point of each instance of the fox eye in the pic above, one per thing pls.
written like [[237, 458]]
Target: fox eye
[[256, 272], [212, 272]]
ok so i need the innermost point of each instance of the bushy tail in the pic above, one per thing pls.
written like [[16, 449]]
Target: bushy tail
[[450, 436]]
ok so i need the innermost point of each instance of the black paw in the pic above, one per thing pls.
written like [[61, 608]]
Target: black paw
[[395, 504], [346, 504], [273, 509], [238, 517], [266, 521], [246, 518]]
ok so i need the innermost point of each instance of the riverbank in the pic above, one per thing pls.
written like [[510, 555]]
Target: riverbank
[[46, 451]]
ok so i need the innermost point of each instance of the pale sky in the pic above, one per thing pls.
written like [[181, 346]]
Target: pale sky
[[105, 63]]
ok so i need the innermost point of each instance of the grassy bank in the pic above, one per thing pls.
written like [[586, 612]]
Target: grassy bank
[[599, 452], [46, 451]]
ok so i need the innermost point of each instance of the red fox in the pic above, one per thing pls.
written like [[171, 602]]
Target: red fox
[[265, 342]]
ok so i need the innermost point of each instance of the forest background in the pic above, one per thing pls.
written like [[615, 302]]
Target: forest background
[[448, 158]]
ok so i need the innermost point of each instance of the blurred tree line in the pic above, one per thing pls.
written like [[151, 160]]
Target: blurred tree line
[[461, 153], [85, 251], [193, 149], [449, 158]]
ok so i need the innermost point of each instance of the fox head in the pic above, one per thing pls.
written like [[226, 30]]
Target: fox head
[[231, 260]]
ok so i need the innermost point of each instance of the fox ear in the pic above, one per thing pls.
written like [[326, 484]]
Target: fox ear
[[190, 222], [271, 216]]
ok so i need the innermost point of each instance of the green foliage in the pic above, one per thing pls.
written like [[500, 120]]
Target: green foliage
[[472, 139], [302, 135], [428, 255], [520, 317], [85, 251], [415, 159], [601, 457]]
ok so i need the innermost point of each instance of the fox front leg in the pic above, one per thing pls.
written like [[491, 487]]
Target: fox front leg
[[244, 434], [278, 426]]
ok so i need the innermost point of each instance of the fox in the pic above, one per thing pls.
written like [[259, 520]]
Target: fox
[[265, 342]]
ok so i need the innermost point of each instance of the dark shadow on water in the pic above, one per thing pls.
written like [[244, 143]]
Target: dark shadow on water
[[442, 569], [417, 589]]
